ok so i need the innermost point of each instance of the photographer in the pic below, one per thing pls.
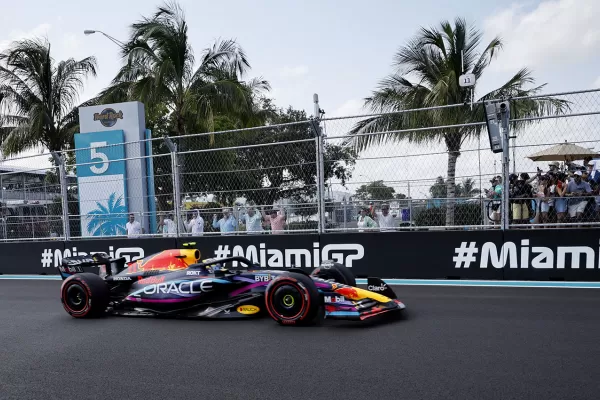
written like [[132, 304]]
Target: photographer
[[495, 193]]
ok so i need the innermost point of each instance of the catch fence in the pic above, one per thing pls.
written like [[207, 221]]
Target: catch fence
[[423, 169]]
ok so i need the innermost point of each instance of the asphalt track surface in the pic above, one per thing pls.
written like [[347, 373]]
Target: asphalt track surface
[[453, 343]]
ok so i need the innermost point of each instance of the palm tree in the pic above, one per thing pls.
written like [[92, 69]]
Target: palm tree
[[108, 220], [467, 188], [38, 97], [433, 59], [159, 69]]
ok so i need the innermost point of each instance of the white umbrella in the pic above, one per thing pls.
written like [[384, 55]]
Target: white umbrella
[[566, 152]]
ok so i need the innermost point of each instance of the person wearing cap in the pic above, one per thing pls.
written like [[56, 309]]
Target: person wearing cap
[[593, 173], [364, 220], [496, 195], [226, 224], [521, 195], [575, 189], [277, 220]]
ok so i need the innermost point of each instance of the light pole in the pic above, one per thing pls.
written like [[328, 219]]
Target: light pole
[[88, 32]]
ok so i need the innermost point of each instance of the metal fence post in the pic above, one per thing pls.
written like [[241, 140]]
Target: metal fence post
[[319, 160], [62, 173], [176, 182], [505, 115]]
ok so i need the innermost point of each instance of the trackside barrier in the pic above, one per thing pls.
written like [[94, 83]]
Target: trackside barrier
[[569, 254]]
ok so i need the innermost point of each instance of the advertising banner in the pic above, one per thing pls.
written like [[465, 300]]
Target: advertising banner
[[572, 255], [101, 178], [129, 119], [544, 254]]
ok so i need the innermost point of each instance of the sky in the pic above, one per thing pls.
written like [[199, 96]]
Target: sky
[[339, 50]]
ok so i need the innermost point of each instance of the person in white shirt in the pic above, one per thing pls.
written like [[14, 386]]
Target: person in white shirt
[[385, 220], [167, 225], [196, 225], [252, 219], [134, 228]]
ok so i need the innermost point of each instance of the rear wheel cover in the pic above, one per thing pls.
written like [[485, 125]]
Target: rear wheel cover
[[76, 298], [84, 295]]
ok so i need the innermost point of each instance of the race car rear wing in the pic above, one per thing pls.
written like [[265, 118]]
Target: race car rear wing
[[98, 263]]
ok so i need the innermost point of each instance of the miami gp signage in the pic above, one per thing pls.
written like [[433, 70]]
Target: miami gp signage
[[114, 170]]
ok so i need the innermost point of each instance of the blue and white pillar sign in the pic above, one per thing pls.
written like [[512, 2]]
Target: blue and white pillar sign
[[112, 172]]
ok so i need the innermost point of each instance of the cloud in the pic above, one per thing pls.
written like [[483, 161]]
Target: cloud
[[596, 84], [293, 72], [556, 32], [348, 108], [71, 41], [39, 31]]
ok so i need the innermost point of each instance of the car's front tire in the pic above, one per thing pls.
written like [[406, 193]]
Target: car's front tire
[[293, 299], [84, 295]]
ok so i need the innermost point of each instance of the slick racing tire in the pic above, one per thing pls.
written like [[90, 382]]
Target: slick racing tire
[[293, 299], [84, 295], [335, 271]]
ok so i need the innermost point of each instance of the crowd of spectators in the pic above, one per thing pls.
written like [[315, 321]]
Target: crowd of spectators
[[556, 196], [255, 221]]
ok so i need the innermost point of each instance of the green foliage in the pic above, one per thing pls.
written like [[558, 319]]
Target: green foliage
[[466, 214], [38, 97], [465, 189], [376, 190], [429, 67], [268, 173]]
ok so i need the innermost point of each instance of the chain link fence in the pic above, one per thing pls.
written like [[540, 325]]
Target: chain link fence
[[426, 169]]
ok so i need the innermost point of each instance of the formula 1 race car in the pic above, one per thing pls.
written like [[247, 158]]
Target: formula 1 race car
[[176, 283]]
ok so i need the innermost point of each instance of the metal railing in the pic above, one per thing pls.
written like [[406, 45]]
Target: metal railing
[[423, 169]]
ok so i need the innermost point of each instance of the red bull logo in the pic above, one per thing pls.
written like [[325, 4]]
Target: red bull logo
[[153, 280], [166, 260], [349, 293]]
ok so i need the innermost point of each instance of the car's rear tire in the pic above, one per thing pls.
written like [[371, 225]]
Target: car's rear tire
[[336, 271], [84, 295], [293, 299]]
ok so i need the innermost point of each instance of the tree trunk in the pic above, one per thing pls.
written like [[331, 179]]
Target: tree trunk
[[451, 186]]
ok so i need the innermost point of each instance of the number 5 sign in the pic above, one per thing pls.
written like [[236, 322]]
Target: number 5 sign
[[100, 153]]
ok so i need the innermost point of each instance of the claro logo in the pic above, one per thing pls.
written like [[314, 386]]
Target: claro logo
[[374, 288], [345, 254], [525, 256]]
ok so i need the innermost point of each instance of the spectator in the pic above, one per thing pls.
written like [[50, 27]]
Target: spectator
[[593, 173], [364, 220], [545, 197], [385, 219], [252, 220], [134, 228], [522, 193], [226, 224], [196, 224], [495, 193], [277, 220], [167, 225], [560, 203], [575, 189]]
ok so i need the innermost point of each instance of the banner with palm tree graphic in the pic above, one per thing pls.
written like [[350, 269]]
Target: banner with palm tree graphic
[[102, 184]]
